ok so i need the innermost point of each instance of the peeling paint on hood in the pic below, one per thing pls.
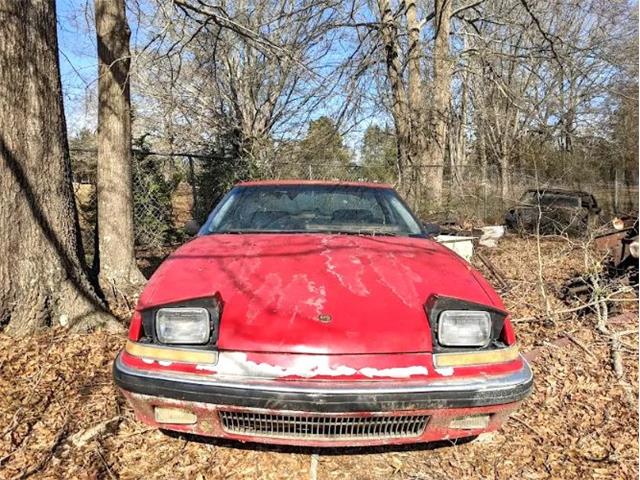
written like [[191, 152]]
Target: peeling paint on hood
[[276, 289]]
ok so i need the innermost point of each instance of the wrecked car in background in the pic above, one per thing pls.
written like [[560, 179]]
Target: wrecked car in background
[[557, 211], [319, 313], [623, 250], [620, 250]]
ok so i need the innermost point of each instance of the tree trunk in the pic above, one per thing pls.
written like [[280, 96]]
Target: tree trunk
[[458, 141], [616, 189], [441, 94], [416, 105], [42, 272], [118, 272], [482, 152], [505, 180], [389, 33]]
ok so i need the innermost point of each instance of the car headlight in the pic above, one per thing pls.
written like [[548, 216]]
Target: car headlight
[[464, 328], [186, 325]]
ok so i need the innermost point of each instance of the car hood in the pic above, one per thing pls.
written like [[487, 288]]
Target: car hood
[[316, 293]]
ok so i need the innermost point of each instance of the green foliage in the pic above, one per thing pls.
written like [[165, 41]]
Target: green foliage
[[214, 178], [378, 154], [83, 157], [216, 175], [323, 150], [321, 154], [153, 186]]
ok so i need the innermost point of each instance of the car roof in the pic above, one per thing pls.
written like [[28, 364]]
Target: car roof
[[559, 191], [337, 183]]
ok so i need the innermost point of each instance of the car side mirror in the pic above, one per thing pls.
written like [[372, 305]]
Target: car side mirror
[[192, 227], [431, 229]]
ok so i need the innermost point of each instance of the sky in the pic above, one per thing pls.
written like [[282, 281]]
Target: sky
[[79, 69], [78, 62]]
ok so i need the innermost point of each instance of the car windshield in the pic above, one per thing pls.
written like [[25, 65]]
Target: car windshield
[[313, 209], [548, 199]]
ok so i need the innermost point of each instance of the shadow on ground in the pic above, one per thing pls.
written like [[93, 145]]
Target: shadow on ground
[[263, 447]]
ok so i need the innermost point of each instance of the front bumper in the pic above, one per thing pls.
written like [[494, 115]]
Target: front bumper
[[439, 400]]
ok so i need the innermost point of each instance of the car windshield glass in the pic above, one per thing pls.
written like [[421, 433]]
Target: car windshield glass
[[313, 209], [550, 199]]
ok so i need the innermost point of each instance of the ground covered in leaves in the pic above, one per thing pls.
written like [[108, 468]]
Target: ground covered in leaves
[[61, 416]]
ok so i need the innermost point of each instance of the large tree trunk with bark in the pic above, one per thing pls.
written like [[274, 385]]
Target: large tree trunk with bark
[[399, 108], [417, 104], [441, 94], [118, 273], [42, 272]]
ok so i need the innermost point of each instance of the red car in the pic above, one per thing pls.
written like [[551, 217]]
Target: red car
[[320, 313]]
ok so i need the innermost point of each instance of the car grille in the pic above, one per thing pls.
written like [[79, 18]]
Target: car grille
[[316, 427]]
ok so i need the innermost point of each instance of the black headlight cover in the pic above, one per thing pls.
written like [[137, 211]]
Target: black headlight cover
[[436, 304], [212, 304]]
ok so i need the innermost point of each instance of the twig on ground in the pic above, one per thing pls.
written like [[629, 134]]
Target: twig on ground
[[618, 369], [495, 271], [81, 438], [104, 462], [529, 427], [616, 357], [139, 432], [580, 344]]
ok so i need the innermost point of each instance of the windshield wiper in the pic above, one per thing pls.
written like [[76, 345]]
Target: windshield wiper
[[249, 231], [372, 233], [380, 234]]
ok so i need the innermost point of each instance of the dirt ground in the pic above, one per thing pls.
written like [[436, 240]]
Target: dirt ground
[[580, 422]]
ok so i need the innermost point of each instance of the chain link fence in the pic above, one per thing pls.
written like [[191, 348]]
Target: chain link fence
[[170, 190]]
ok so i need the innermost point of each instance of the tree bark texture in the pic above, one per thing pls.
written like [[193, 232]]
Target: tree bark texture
[[118, 272], [417, 104], [42, 271], [399, 109], [441, 99], [421, 126], [505, 180]]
